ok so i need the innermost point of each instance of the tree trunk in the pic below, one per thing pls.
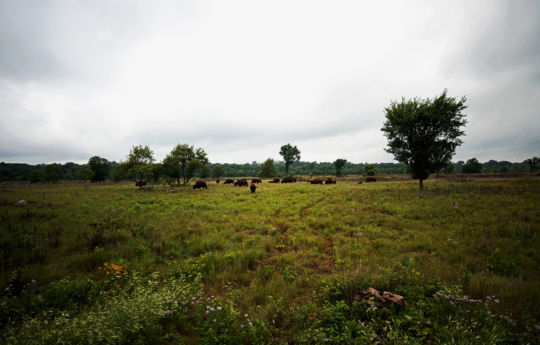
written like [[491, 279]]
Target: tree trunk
[[421, 184]]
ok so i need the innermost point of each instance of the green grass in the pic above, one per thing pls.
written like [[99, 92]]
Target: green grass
[[292, 257]]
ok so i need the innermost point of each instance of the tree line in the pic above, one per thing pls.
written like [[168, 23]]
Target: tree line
[[73, 171]]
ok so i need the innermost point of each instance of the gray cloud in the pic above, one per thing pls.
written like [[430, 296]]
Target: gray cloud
[[241, 79]]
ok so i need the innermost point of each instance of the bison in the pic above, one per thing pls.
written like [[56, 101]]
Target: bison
[[329, 181], [217, 181], [276, 180], [252, 188], [371, 179], [200, 184], [256, 180], [288, 180], [241, 183], [228, 181], [140, 183], [317, 181]]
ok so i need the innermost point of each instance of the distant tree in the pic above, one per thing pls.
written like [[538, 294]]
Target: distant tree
[[339, 164], [424, 133], [183, 161], [370, 170], [290, 155], [218, 171], [100, 168], [533, 163], [204, 172], [268, 169], [36, 175], [84, 174], [52, 173], [472, 167], [137, 167], [449, 168]]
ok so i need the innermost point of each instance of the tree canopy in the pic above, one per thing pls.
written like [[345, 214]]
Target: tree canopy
[[339, 164], [424, 133], [99, 167], [268, 169], [473, 166], [183, 161], [290, 155]]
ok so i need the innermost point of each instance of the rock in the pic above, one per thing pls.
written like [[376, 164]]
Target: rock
[[384, 299], [21, 203]]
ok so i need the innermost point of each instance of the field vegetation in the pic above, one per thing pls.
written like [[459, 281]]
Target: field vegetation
[[87, 264]]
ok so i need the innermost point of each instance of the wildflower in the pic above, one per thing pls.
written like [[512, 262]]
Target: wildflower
[[274, 322], [218, 308], [325, 339], [250, 323], [214, 320], [497, 301], [246, 315], [537, 327], [33, 281], [241, 326], [207, 312]]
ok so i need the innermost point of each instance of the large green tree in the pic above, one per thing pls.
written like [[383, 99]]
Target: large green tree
[[183, 161], [339, 164], [100, 167], [290, 155], [268, 169], [424, 133]]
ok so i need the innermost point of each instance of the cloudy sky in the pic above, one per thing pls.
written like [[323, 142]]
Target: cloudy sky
[[242, 78]]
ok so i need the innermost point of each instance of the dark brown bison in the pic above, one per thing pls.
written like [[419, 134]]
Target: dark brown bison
[[360, 182], [140, 183], [329, 181], [371, 179], [276, 180], [217, 181], [228, 181], [200, 184], [252, 188], [317, 181], [256, 180], [288, 180], [241, 183]]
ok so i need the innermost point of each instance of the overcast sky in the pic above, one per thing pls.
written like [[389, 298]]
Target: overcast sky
[[242, 78]]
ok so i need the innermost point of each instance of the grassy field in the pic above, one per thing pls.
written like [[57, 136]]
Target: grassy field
[[113, 264]]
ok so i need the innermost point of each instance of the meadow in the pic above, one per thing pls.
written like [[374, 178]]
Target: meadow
[[111, 264]]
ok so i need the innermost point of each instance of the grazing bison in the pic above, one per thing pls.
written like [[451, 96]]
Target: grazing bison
[[252, 188], [228, 181], [371, 179], [241, 183], [317, 181], [276, 180], [217, 181], [140, 183], [200, 184], [256, 180], [360, 182], [329, 181], [288, 180]]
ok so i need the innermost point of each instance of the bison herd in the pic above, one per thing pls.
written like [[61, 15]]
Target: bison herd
[[244, 182]]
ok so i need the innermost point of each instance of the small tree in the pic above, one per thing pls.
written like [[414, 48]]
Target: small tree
[[218, 170], [370, 170], [85, 174], [290, 155], [424, 133], [339, 164], [52, 173], [137, 167], [473, 166], [533, 163], [100, 168], [268, 168], [183, 161]]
